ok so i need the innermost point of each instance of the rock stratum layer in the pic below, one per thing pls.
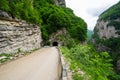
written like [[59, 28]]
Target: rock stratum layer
[[18, 35]]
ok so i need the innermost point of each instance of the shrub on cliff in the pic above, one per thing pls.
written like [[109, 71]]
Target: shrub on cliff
[[50, 16], [56, 18], [4, 5], [24, 9]]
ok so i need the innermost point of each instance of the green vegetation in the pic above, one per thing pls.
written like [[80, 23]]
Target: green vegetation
[[50, 17], [56, 18], [112, 13], [116, 24], [88, 64], [112, 43], [4, 5], [113, 47], [5, 57]]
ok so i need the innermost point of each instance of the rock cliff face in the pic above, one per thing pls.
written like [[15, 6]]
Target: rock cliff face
[[106, 35], [18, 35], [60, 3], [108, 25], [104, 31]]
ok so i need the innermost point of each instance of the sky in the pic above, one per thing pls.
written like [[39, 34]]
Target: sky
[[89, 10]]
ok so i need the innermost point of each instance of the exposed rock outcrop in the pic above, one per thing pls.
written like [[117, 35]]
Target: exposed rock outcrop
[[107, 28], [106, 35], [59, 37], [18, 35], [60, 3], [105, 31]]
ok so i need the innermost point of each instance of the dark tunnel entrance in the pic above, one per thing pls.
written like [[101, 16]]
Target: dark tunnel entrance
[[55, 44]]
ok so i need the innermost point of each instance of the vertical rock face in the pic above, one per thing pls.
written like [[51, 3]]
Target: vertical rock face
[[18, 35], [105, 31], [106, 35], [60, 3], [108, 25]]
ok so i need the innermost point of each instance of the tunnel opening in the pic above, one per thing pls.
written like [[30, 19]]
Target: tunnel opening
[[55, 44]]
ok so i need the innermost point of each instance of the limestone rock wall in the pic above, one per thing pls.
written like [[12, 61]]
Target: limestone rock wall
[[18, 36], [105, 31]]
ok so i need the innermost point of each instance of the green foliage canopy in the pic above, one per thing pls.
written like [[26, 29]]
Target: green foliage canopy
[[56, 18], [4, 5], [46, 13]]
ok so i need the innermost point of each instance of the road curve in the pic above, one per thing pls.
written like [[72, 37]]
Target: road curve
[[41, 65]]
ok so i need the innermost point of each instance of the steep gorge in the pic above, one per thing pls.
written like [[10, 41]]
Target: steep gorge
[[106, 35], [59, 26]]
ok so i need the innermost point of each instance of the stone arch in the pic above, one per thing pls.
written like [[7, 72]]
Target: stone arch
[[55, 43]]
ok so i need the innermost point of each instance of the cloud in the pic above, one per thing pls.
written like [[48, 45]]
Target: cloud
[[95, 12], [89, 10]]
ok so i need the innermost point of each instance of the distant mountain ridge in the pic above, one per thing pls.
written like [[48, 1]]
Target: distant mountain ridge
[[89, 34], [112, 13]]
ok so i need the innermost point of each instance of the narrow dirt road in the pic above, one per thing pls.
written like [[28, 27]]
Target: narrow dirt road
[[41, 65]]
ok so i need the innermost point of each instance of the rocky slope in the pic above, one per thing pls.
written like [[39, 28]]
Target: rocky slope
[[106, 35], [16, 35], [108, 25], [105, 31]]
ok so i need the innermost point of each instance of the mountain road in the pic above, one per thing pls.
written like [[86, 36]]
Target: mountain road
[[43, 64]]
